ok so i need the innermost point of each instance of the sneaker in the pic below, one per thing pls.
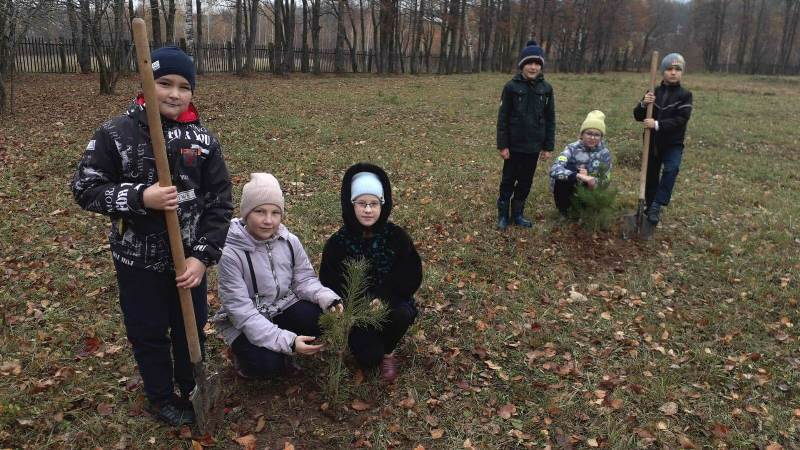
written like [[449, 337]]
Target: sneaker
[[389, 368], [170, 413]]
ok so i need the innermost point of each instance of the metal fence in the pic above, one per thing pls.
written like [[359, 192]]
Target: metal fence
[[42, 56]]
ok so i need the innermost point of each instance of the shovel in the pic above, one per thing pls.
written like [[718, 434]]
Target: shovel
[[636, 225], [205, 395]]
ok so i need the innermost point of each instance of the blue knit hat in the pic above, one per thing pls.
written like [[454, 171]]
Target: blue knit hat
[[531, 51], [366, 183], [673, 59], [172, 61]]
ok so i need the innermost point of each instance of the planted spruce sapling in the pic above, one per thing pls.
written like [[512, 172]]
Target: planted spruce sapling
[[359, 311]]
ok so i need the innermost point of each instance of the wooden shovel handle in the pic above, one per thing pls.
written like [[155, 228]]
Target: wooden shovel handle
[[648, 131], [165, 180]]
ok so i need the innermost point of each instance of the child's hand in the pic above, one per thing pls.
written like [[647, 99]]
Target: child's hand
[[591, 182], [337, 308], [504, 153], [193, 275], [302, 345], [161, 198], [648, 98], [649, 123], [583, 171]]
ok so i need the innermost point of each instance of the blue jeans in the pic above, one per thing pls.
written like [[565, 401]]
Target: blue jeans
[[154, 325], [662, 171]]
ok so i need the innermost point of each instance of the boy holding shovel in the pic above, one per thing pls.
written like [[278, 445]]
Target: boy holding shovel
[[117, 177], [672, 110]]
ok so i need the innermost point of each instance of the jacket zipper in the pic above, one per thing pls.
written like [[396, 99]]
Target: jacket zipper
[[272, 268]]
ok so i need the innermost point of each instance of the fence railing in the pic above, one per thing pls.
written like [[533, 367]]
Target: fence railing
[[42, 56]]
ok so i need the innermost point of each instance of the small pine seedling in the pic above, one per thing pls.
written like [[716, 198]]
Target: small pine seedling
[[358, 312]]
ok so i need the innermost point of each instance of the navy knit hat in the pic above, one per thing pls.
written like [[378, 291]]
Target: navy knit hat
[[531, 51], [172, 61]]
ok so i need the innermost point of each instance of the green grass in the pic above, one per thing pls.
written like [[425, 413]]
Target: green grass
[[705, 316]]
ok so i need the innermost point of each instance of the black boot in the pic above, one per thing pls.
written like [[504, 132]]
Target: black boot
[[517, 208], [654, 213], [502, 214]]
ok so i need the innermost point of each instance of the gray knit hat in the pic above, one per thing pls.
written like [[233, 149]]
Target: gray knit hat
[[673, 59]]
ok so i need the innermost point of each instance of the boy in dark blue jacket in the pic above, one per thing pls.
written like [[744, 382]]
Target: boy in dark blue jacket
[[526, 125], [117, 177], [672, 108]]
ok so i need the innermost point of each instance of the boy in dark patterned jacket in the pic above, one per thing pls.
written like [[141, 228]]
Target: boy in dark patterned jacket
[[117, 177], [671, 112], [526, 125]]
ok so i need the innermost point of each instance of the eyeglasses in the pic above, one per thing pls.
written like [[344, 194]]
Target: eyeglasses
[[365, 205], [592, 134]]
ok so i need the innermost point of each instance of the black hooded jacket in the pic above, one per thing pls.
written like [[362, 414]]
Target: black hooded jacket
[[395, 266], [118, 165]]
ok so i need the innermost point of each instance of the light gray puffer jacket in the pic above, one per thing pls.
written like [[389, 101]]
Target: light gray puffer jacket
[[280, 286]]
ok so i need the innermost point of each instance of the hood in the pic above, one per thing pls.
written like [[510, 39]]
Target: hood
[[239, 239], [137, 107], [348, 211]]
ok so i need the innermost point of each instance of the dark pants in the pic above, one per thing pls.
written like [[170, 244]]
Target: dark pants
[[154, 324], [517, 179], [662, 171], [563, 190], [302, 318], [368, 345]]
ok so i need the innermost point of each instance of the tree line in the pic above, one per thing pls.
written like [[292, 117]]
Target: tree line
[[747, 36]]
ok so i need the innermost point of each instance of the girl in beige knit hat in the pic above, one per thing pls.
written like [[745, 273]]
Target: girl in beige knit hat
[[271, 297]]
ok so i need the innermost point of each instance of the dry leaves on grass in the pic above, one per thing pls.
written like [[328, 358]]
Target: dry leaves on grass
[[669, 408], [507, 410], [248, 442], [360, 405]]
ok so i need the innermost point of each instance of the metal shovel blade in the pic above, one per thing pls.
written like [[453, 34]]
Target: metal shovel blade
[[205, 400], [635, 226]]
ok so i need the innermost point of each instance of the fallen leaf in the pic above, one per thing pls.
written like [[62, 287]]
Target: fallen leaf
[[11, 367], [669, 408], [437, 433], [592, 442], [247, 442], [360, 405], [419, 447], [288, 446], [507, 410], [719, 430], [685, 441], [105, 409], [774, 446], [408, 402], [260, 423]]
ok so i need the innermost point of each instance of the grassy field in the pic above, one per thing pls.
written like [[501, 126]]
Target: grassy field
[[553, 336]]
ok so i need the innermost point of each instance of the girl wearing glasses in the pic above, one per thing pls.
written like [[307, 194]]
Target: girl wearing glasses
[[586, 161], [395, 268]]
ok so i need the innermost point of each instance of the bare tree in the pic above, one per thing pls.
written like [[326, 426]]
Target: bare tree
[[791, 14], [80, 36], [745, 17], [168, 11], [155, 23], [304, 45], [199, 56]]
